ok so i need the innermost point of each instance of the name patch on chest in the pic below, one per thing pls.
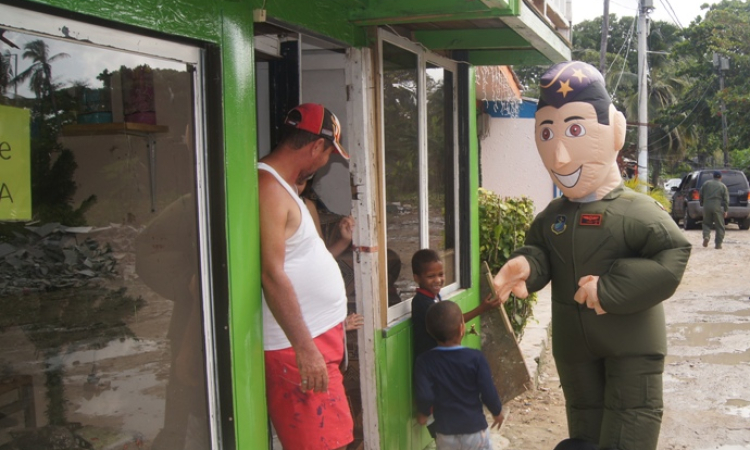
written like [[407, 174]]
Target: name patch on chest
[[592, 220]]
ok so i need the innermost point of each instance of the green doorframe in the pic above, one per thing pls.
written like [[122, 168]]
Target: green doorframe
[[243, 236]]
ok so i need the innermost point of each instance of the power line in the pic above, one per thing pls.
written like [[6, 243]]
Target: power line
[[670, 11], [686, 117], [627, 43], [633, 9]]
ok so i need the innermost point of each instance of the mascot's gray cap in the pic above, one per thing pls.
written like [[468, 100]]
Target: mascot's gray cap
[[573, 81]]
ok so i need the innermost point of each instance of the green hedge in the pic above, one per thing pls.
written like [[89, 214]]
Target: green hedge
[[503, 223]]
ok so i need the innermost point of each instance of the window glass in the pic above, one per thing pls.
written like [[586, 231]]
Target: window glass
[[100, 304], [418, 95], [401, 138], [441, 178]]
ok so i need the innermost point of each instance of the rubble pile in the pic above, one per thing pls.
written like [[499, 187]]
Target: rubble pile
[[53, 256]]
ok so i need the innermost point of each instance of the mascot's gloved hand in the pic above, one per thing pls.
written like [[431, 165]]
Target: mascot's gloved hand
[[587, 293], [512, 278]]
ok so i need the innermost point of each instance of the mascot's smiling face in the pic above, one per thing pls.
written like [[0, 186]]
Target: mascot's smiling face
[[576, 149], [578, 130]]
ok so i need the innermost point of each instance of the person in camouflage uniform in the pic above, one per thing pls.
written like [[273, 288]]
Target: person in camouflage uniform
[[714, 197], [612, 256]]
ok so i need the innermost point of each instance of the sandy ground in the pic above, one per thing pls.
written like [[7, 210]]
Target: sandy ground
[[706, 388]]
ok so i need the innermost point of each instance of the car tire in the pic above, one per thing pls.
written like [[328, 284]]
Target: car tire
[[744, 223], [690, 223]]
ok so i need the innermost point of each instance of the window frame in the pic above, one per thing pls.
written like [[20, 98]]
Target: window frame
[[424, 58], [117, 37]]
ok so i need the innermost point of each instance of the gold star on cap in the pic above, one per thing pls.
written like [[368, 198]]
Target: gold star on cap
[[565, 88], [565, 81], [578, 74]]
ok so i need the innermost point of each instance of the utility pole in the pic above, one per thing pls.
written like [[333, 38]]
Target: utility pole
[[721, 63], [645, 7], [605, 36]]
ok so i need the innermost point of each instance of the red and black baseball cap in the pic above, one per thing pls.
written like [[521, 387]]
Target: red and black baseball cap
[[318, 120]]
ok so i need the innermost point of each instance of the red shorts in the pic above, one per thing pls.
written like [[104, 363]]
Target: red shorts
[[309, 420]]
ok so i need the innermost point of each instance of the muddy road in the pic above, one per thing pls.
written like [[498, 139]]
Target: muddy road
[[707, 375]]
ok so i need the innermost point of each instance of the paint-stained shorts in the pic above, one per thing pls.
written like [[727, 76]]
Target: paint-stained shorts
[[474, 441], [308, 420]]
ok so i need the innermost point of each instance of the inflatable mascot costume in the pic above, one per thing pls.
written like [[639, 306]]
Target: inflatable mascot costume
[[612, 255]]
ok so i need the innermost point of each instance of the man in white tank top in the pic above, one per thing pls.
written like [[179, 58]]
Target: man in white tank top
[[304, 298]]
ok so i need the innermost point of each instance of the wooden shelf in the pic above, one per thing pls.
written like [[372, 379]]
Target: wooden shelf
[[103, 129], [143, 130]]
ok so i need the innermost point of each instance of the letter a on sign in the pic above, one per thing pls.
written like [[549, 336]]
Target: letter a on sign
[[15, 164]]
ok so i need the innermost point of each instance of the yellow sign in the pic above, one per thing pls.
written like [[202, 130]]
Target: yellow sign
[[15, 164]]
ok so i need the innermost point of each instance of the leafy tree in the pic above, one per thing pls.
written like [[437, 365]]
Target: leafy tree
[[668, 138], [401, 123], [723, 32], [6, 71], [621, 42]]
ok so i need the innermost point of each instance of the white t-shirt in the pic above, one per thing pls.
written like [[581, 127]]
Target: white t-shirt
[[314, 274]]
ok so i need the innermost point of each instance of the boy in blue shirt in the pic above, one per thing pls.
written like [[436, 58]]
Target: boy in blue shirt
[[427, 269], [453, 382]]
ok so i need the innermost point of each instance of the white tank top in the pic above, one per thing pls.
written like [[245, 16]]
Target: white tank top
[[314, 274]]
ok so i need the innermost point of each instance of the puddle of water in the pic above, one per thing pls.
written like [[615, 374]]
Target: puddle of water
[[116, 348], [127, 392], [704, 334], [729, 447], [739, 313], [731, 359], [134, 398], [738, 407]]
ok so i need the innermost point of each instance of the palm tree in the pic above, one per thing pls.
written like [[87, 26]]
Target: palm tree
[[6, 71], [667, 140], [39, 73]]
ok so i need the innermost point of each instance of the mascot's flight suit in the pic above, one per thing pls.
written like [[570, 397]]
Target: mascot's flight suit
[[612, 255]]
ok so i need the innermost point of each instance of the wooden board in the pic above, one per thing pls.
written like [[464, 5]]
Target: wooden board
[[500, 347]]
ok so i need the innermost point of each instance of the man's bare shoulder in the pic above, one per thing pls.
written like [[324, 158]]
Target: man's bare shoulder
[[273, 195], [268, 185]]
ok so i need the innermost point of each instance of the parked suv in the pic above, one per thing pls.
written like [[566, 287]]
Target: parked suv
[[685, 200]]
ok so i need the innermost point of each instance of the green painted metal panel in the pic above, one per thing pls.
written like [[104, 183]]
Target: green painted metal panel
[[380, 12], [200, 18], [397, 328], [474, 188], [396, 409], [243, 236], [189, 18], [528, 57], [497, 38], [330, 17]]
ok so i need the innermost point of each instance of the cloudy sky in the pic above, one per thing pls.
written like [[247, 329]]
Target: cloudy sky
[[680, 12]]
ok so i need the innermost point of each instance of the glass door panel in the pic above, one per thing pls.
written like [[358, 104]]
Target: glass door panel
[[401, 133], [101, 337], [440, 167]]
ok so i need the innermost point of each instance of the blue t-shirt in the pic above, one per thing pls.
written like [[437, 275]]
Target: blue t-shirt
[[454, 382]]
